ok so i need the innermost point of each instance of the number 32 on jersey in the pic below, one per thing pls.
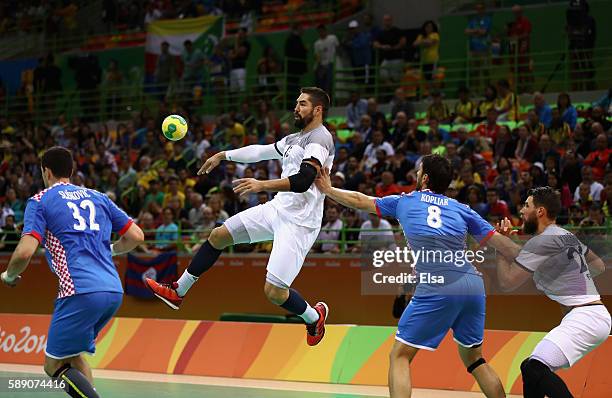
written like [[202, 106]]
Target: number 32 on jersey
[[76, 213]]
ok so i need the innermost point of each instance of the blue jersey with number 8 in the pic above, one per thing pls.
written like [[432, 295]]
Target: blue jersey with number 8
[[75, 224], [436, 228]]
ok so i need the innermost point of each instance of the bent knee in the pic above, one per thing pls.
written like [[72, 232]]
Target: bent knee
[[220, 238], [275, 294]]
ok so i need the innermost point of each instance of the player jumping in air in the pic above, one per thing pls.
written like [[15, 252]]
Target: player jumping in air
[[292, 219], [434, 223], [75, 225], [562, 267]]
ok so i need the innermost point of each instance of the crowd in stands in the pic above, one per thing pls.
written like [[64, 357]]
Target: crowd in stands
[[496, 163]]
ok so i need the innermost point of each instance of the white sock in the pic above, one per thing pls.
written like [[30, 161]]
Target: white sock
[[310, 315], [185, 282]]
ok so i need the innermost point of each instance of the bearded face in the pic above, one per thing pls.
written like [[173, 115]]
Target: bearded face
[[301, 122], [530, 222]]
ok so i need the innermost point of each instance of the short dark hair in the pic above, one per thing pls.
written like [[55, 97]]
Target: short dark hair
[[318, 97], [439, 171], [59, 160], [547, 198]]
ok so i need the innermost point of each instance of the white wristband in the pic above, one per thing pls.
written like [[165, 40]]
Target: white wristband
[[6, 279], [113, 253]]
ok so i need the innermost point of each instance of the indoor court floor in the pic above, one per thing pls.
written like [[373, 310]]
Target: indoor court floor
[[145, 385]]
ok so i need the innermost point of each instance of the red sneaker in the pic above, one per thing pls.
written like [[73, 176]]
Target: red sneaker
[[316, 331], [166, 292]]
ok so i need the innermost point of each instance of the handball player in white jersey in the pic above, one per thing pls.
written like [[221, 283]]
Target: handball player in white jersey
[[562, 267], [292, 220]]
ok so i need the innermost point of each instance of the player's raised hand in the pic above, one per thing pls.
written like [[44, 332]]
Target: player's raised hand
[[245, 186], [505, 227], [211, 163], [9, 282], [323, 181]]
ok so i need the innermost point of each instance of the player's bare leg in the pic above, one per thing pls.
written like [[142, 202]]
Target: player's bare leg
[[204, 259], [487, 379], [292, 301], [400, 385], [74, 373]]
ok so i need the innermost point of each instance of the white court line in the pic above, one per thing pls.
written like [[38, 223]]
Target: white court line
[[376, 391]]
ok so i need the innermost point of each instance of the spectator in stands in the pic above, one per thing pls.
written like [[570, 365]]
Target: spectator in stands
[[193, 62], [508, 103], [87, 75], [567, 110], [351, 223], [358, 44], [495, 206], [542, 109], [581, 31], [478, 32], [519, 32], [438, 109], [377, 143], [154, 200], [467, 180], [546, 150], [399, 103], [356, 108], [382, 164], [526, 146], [167, 235], [599, 159], [173, 192], [196, 214], [365, 128], [489, 101], [436, 131], [353, 174], [152, 13], [15, 204], [331, 231], [465, 109], [390, 44], [341, 159], [387, 185], [475, 201], [215, 204], [595, 188], [238, 56], [295, 54], [325, 57], [165, 69], [535, 127], [379, 121], [9, 235], [559, 131], [595, 218], [400, 129], [429, 42], [489, 129], [554, 181], [376, 233]]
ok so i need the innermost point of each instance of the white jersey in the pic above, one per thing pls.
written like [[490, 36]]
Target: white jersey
[[558, 262], [305, 209]]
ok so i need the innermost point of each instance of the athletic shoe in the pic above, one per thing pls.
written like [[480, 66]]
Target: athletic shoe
[[166, 292], [315, 331]]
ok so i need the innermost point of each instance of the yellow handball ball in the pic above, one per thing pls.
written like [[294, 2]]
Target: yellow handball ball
[[174, 127]]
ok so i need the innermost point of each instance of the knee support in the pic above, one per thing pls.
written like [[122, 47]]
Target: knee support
[[477, 363]]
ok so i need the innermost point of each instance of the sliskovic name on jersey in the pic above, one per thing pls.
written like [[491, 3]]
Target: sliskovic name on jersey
[[74, 195]]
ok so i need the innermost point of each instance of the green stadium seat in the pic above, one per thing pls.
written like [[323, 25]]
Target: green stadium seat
[[344, 134]]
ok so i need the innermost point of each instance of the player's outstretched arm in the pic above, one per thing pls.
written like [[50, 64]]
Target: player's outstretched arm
[[247, 154], [19, 260], [510, 275], [298, 183], [132, 238], [354, 200]]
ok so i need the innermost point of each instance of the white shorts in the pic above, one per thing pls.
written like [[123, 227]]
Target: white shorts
[[292, 242], [581, 331]]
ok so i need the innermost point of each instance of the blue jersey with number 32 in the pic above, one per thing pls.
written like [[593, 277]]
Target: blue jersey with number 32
[[437, 226], [75, 224]]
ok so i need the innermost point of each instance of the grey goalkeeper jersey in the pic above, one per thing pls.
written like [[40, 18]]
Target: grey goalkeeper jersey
[[558, 262]]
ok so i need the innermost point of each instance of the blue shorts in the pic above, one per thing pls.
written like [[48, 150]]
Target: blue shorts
[[77, 320], [427, 319]]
